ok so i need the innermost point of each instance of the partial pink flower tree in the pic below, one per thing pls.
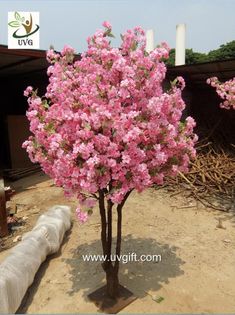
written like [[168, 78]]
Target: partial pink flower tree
[[106, 127], [225, 90]]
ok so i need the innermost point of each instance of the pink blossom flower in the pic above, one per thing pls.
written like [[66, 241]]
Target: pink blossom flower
[[67, 50], [106, 24], [28, 91], [81, 216], [225, 90]]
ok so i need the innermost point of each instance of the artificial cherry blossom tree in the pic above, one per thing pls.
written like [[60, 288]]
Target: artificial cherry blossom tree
[[225, 90], [106, 127]]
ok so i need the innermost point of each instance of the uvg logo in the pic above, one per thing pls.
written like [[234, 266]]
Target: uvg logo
[[23, 30]]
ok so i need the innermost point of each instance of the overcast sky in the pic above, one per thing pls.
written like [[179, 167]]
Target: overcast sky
[[210, 23]]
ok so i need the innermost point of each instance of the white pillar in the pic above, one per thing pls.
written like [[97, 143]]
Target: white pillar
[[180, 44], [149, 40]]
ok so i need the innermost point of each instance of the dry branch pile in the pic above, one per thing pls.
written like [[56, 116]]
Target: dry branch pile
[[211, 179]]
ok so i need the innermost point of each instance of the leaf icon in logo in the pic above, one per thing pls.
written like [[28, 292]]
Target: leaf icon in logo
[[17, 16], [14, 24]]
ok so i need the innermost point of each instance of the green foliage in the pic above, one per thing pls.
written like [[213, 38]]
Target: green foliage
[[171, 60], [195, 57], [191, 57], [226, 51]]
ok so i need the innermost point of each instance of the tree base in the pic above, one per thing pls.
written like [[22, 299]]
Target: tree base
[[108, 305]]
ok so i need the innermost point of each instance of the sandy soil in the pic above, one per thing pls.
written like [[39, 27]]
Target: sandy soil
[[195, 275]]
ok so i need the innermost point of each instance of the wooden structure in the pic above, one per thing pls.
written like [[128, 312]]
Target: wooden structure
[[3, 213], [19, 68], [202, 100]]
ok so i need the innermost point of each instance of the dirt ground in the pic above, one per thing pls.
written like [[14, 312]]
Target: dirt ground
[[195, 275]]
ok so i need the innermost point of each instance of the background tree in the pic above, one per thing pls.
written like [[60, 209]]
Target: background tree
[[226, 51], [191, 57], [105, 127]]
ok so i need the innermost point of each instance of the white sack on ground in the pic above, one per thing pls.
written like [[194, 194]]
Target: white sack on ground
[[57, 221], [17, 271]]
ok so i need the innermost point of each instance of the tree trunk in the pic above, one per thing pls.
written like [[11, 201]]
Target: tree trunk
[[112, 283], [111, 270]]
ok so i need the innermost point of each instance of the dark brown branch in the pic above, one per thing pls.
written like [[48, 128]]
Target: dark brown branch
[[103, 221], [94, 196], [89, 196], [109, 238], [109, 214], [119, 231]]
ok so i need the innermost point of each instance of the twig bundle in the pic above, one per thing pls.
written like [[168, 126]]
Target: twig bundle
[[211, 178]]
